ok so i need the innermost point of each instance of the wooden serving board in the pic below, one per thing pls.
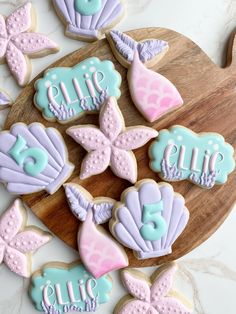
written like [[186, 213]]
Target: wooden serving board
[[210, 105]]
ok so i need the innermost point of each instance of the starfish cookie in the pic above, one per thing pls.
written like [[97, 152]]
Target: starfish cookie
[[151, 297], [17, 42], [16, 241], [112, 144]]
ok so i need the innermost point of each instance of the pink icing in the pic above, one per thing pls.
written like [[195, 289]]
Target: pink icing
[[112, 144], [15, 244], [99, 252], [154, 299], [16, 42], [154, 98]]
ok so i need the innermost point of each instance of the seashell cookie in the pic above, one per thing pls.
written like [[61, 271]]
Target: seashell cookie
[[88, 20], [153, 94], [149, 218], [18, 42], [154, 295], [111, 144], [5, 100], [98, 251], [33, 158]]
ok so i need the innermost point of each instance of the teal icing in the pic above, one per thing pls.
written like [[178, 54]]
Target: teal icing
[[154, 224], [88, 7], [109, 85], [22, 155], [204, 142], [58, 275]]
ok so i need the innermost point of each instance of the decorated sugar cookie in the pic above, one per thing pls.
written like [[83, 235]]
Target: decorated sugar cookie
[[153, 94], [204, 159], [61, 288], [88, 20], [152, 296], [98, 251], [18, 42], [17, 241], [5, 100], [111, 144], [33, 158], [149, 218], [64, 94]]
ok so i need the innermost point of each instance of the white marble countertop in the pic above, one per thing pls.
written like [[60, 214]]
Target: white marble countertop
[[208, 274]]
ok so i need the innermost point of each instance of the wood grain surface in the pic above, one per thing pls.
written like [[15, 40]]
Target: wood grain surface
[[209, 95]]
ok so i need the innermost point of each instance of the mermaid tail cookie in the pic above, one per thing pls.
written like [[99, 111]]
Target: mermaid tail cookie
[[153, 94]]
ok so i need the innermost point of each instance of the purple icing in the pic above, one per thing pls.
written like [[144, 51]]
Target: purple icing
[[205, 180], [128, 222], [147, 50], [58, 168], [89, 26], [80, 205], [4, 100]]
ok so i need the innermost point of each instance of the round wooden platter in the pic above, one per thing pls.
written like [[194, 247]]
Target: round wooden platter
[[210, 105]]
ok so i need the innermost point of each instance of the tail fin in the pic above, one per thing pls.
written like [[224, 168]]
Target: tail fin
[[125, 47]]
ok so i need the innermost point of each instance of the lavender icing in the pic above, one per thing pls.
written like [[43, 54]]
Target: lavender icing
[[4, 100], [49, 140], [89, 26], [127, 46], [80, 205], [127, 221]]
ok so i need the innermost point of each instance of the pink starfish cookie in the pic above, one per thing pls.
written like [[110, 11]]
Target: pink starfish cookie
[[17, 42], [16, 241], [112, 144], [151, 298]]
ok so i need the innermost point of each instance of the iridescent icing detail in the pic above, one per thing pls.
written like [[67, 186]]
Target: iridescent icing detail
[[17, 42], [204, 159], [98, 251], [89, 19], [40, 163], [64, 94], [88, 7], [153, 94], [111, 144], [149, 219], [151, 296], [59, 288], [17, 240]]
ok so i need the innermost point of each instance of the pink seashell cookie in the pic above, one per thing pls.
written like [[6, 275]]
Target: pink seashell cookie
[[18, 241], [111, 144], [153, 94], [153, 296], [18, 42]]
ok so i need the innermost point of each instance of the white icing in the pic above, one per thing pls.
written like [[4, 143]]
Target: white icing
[[182, 158]]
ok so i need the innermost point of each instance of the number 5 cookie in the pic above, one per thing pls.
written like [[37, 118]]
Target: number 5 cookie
[[18, 42], [149, 218]]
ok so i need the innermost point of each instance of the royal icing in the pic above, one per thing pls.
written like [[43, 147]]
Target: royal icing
[[153, 94], [60, 288], [98, 251], [151, 296], [33, 158], [112, 144], [17, 42], [89, 19], [204, 159], [64, 94], [149, 219], [5, 100], [17, 241]]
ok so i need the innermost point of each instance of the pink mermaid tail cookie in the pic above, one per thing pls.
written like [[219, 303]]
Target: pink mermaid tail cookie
[[153, 94], [151, 297], [99, 253]]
